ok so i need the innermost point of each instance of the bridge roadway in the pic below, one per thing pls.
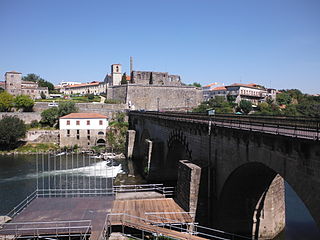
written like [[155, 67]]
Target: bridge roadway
[[305, 128]]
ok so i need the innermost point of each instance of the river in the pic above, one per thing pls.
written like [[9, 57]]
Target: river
[[18, 178]]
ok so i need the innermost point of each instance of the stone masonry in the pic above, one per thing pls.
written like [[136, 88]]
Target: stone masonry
[[188, 186]]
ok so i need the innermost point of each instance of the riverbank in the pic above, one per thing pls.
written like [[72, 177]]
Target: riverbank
[[32, 148]]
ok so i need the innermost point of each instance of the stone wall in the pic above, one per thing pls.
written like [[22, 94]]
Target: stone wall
[[153, 98], [155, 78], [188, 186], [27, 117], [42, 136], [236, 167]]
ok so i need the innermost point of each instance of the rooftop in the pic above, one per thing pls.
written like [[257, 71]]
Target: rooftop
[[83, 115], [14, 72], [83, 84]]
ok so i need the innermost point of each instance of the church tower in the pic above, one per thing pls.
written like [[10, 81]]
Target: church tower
[[116, 74]]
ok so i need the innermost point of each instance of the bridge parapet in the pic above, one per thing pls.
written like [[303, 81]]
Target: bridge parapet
[[306, 128]]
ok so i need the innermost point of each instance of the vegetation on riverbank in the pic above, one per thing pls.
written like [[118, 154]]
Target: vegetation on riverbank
[[30, 148]]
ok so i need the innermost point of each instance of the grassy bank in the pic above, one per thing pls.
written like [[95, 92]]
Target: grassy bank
[[33, 148]]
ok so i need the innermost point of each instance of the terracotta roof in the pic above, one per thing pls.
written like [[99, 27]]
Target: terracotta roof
[[84, 115], [212, 84], [83, 84], [218, 88], [252, 85]]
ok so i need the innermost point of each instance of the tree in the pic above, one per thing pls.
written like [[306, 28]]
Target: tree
[[11, 130], [245, 106], [124, 79], [66, 108], [50, 116], [42, 95], [283, 98], [41, 82], [195, 84], [6, 101], [24, 102]]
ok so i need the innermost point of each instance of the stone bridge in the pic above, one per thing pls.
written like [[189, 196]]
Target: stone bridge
[[243, 162]]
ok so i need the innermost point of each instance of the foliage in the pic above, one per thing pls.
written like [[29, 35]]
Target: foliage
[[90, 96], [11, 130], [1, 90], [195, 84], [124, 79], [112, 101], [43, 96], [284, 98], [24, 102], [34, 124], [50, 116], [231, 98], [6, 101], [37, 147], [116, 136], [41, 82], [219, 104], [245, 106], [66, 108]]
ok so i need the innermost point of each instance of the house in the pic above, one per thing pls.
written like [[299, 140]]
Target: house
[[94, 87], [16, 86], [83, 129]]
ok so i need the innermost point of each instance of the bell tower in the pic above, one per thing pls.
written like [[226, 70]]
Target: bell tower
[[116, 70]]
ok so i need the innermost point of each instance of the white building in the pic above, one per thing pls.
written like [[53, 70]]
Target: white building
[[94, 87], [83, 129]]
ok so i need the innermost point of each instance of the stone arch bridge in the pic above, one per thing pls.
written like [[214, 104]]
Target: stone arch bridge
[[243, 161]]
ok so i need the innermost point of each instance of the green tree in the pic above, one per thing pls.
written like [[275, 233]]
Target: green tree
[[124, 79], [50, 116], [41, 82], [11, 130], [283, 98], [1, 90], [245, 106], [43, 95], [6, 101], [66, 108], [24, 102], [195, 84]]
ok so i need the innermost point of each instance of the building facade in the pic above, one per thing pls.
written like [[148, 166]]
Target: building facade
[[95, 88], [250, 92], [15, 86], [83, 129]]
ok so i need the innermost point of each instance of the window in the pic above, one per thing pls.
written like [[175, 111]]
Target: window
[[100, 133], [68, 122], [100, 122], [78, 123], [78, 131], [88, 132], [88, 122], [88, 137], [12, 76], [78, 137], [68, 133]]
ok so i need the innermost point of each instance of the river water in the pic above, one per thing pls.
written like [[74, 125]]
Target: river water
[[18, 179]]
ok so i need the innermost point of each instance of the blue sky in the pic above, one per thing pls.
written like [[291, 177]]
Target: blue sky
[[275, 43]]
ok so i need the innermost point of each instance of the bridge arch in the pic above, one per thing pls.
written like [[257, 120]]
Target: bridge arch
[[178, 149], [252, 201]]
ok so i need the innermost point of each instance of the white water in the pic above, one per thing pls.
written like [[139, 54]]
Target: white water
[[98, 169]]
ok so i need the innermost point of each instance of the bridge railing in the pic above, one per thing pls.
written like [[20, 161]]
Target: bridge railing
[[160, 188], [290, 126]]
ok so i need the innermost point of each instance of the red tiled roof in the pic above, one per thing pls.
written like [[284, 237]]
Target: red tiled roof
[[83, 84], [84, 115], [211, 84], [252, 85], [218, 88]]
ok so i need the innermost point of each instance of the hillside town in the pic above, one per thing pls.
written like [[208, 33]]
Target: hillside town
[[118, 93]]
